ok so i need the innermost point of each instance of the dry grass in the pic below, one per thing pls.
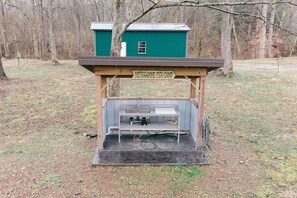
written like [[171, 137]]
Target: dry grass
[[44, 110]]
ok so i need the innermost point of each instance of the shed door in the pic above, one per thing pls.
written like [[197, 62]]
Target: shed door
[[123, 49]]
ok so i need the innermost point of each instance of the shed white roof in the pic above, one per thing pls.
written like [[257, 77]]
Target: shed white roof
[[145, 26]]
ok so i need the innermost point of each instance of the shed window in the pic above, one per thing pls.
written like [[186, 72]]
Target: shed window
[[141, 47]]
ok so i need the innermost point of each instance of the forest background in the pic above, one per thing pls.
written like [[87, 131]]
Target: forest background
[[60, 29]]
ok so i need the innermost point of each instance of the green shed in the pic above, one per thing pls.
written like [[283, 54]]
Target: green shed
[[144, 39]]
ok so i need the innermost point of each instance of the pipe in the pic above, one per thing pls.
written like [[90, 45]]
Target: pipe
[[111, 127]]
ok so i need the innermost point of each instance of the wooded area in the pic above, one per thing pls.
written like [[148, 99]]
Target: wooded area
[[60, 29]]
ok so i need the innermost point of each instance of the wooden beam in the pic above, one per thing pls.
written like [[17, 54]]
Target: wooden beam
[[99, 111], [104, 86], [127, 71], [193, 88], [199, 142], [130, 76]]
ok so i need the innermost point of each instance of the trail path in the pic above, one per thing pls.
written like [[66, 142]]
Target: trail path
[[281, 64]]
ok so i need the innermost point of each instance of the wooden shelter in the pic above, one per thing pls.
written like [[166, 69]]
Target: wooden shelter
[[114, 113]]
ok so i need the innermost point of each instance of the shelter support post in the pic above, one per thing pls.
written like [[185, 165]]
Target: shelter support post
[[99, 94], [193, 88], [199, 142]]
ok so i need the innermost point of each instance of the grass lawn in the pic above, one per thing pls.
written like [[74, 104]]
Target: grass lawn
[[45, 109]]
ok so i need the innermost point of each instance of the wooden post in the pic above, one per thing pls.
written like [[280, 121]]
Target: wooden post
[[199, 142], [99, 111], [193, 89], [104, 82]]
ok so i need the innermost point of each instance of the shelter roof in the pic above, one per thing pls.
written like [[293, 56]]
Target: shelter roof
[[91, 62], [144, 26]]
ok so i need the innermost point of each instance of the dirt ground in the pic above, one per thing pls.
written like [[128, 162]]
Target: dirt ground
[[46, 109]]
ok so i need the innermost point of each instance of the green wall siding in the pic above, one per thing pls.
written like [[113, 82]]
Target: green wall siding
[[158, 44], [103, 41]]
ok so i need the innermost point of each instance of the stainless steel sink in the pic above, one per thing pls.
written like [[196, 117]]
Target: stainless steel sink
[[138, 110]]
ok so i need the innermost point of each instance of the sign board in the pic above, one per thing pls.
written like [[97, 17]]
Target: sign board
[[153, 74]]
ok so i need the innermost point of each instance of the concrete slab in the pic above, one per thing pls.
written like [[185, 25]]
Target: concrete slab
[[154, 149]]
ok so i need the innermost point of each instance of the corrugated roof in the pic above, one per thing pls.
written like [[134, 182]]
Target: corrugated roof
[[145, 26]]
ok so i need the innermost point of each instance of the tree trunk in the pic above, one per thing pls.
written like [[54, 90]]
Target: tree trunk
[[103, 11], [293, 46], [66, 42], [263, 32], [130, 8], [41, 31], [78, 32], [2, 73], [270, 32], [78, 24], [34, 30], [97, 12], [116, 42], [236, 39], [183, 10], [156, 14], [117, 30], [226, 28], [52, 33], [4, 31]]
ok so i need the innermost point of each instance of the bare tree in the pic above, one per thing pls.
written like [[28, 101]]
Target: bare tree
[[156, 13], [293, 40], [52, 33], [238, 50], [270, 31], [77, 12], [34, 29], [116, 41], [4, 30], [130, 9], [41, 30], [263, 32], [226, 42], [117, 30], [96, 6], [2, 73]]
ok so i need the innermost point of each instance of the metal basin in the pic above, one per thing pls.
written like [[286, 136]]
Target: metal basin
[[136, 110]]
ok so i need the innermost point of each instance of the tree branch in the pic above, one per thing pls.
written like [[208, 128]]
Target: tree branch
[[214, 6], [253, 16], [125, 26]]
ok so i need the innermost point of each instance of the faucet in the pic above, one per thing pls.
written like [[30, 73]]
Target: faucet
[[138, 102]]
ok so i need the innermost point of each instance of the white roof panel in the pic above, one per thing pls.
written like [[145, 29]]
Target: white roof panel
[[145, 26]]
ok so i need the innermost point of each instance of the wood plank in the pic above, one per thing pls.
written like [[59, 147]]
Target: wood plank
[[193, 88], [199, 143], [130, 76], [127, 71], [99, 111]]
